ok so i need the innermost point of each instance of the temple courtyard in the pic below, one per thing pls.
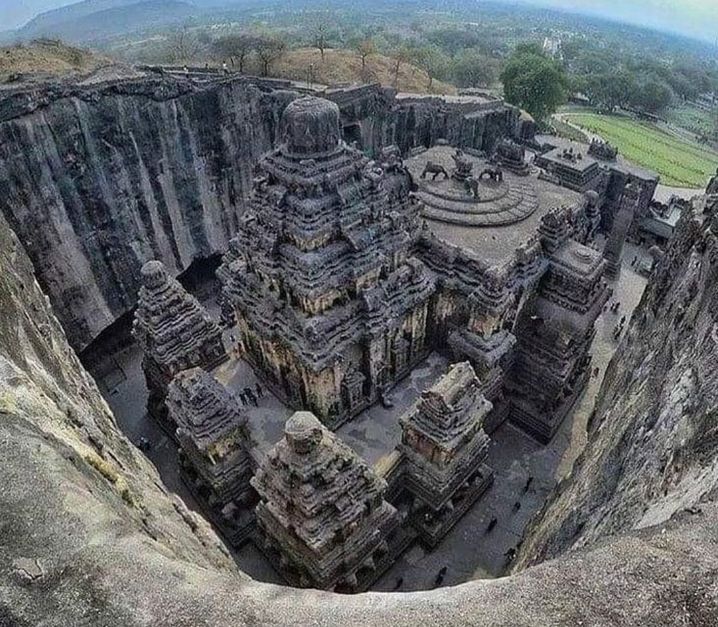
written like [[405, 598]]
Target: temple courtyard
[[468, 550]]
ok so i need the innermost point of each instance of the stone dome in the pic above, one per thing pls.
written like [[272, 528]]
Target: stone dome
[[303, 432], [311, 127], [153, 274]]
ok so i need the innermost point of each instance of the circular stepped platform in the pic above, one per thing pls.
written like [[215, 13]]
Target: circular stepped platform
[[498, 205]]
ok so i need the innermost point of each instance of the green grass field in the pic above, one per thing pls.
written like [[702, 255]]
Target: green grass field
[[568, 132], [693, 119], [680, 163]]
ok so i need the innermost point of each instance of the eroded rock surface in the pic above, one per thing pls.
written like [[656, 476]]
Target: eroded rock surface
[[653, 442], [97, 180], [89, 536]]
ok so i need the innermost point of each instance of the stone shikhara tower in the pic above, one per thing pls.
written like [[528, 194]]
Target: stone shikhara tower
[[175, 333], [330, 305], [322, 510], [445, 448], [555, 331], [215, 450]]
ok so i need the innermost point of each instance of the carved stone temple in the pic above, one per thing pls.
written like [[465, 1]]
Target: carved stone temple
[[330, 303], [322, 510], [343, 275], [444, 449], [215, 450], [175, 333]]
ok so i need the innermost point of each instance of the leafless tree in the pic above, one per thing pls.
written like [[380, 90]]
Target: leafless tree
[[365, 48], [401, 55], [182, 45], [269, 50], [238, 46], [321, 25]]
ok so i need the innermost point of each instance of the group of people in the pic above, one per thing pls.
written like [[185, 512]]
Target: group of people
[[249, 395], [618, 329], [510, 554]]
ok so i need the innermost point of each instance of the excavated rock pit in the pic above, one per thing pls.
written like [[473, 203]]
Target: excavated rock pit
[[89, 535]]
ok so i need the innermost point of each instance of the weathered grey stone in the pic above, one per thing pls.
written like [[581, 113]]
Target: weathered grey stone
[[322, 509], [444, 449], [104, 568], [175, 332], [216, 450], [330, 304]]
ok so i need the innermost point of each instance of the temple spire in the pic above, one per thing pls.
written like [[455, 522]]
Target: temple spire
[[215, 450], [322, 509], [445, 448], [175, 333]]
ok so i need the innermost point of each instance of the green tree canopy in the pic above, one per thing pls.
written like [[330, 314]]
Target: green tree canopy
[[652, 94], [472, 68], [611, 89], [534, 82]]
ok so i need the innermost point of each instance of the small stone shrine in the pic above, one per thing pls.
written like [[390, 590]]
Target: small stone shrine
[[445, 449], [512, 156], [322, 510], [175, 333], [215, 447]]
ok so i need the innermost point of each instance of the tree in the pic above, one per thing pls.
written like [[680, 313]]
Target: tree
[[269, 50], [320, 30], [365, 48], [237, 46], [472, 68], [434, 61], [611, 89], [534, 82], [403, 54], [652, 94], [182, 45]]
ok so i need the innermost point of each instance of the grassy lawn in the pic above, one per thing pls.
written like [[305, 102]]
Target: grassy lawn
[[568, 132], [693, 119], [680, 163]]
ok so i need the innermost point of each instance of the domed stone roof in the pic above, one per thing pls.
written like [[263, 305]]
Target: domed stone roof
[[303, 431], [153, 274], [311, 127]]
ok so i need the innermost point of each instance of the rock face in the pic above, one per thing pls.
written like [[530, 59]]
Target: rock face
[[99, 180], [91, 537], [654, 438]]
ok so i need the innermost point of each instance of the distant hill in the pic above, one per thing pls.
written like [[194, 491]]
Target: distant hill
[[344, 66], [47, 57], [94, 20]]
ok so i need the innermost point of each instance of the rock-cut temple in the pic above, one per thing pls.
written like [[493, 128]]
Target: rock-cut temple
[[346, 272], [331, 304]]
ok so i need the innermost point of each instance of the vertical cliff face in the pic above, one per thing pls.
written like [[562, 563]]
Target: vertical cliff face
[[653, 442], [69, 478], [98, 180]]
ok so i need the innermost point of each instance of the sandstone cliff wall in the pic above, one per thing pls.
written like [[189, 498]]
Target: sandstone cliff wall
[[98, 178], [89, 536]]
